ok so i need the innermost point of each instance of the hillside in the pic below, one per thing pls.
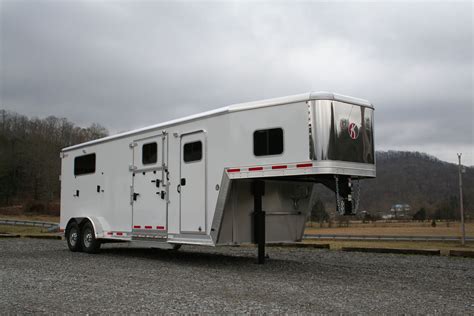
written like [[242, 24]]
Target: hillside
[[412, 178]]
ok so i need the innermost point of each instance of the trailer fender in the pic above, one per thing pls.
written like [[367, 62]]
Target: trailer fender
[[98, 223]]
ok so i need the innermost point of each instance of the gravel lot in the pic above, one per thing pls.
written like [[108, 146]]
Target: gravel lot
[[43, 276]]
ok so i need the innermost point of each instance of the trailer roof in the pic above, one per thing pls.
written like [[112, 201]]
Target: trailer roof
[[233, 108]]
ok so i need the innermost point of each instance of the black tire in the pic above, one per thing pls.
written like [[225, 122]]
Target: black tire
[[175, 247], [88, 241], [73, 237]]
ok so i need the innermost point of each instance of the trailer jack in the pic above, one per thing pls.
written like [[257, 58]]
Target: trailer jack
[[258, 190]]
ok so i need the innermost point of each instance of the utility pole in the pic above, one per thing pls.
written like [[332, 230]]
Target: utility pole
[[461, 206]]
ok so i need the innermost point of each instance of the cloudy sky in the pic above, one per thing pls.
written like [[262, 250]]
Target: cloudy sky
[[128, 64]]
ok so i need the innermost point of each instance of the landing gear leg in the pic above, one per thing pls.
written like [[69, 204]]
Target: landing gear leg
[[258, 190]]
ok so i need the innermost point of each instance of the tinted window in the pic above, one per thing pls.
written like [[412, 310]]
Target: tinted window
[[84, 164], [149, 153], [192, 151], [268, 142]]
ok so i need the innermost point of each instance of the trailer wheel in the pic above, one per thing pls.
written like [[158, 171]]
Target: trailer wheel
[[73, 237], [88, 241]]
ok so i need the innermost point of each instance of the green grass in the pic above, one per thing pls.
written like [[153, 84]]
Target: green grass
[[23, 230]]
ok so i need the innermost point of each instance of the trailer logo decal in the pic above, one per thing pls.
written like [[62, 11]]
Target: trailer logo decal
[[353, 130]]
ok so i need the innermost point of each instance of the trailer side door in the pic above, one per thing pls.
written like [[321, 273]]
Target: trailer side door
[[149, 189], [192, 186]]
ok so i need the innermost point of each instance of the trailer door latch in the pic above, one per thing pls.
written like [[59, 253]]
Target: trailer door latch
[[135, 195], [162, 194]]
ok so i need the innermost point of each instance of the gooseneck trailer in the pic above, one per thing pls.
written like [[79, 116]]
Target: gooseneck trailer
[[239, 174]]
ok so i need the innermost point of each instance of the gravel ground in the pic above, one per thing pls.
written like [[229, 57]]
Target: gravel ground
[[43, 276]]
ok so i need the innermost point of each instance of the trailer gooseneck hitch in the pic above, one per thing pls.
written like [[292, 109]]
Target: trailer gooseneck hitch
[[347, 200]]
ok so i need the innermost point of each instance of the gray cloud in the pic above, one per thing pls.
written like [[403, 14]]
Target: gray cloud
[[127, 64]]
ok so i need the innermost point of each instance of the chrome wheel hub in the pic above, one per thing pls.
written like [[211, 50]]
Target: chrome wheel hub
[[88, 238], [73, 237]]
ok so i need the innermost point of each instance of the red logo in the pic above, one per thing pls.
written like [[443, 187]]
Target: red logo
[[353, 130]]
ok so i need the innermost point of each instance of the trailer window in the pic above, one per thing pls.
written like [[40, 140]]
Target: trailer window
[[149, 153], [84, 164], [192, 151], [268, 142]]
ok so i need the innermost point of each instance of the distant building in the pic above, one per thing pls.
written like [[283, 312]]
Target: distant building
[[400, 211]]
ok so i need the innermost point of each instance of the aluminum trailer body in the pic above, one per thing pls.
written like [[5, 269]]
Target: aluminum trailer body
[[188, 181]]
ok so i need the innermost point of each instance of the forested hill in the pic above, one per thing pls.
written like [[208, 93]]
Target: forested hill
[[416, 179], [30, 168], [29, 156]]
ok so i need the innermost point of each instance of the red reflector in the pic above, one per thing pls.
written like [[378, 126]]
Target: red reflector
[[256, 169], [148, 227], [233, 170], [119, 234], [280, 167], [160, 227], [304, 165], [137, 226], [110, 233]]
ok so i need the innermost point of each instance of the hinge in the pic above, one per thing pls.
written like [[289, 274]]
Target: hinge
[[133, 144], [132, 167]]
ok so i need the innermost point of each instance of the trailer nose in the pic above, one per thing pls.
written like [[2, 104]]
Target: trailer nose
[[341, 131]]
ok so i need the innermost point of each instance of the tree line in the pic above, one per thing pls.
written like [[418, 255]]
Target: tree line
[[29, 155]]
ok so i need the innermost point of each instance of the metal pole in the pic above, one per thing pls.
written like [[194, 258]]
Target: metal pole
[[461, 206], [258, 190]]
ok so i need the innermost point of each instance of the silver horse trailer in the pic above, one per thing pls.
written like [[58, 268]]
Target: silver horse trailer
[[243, 173]]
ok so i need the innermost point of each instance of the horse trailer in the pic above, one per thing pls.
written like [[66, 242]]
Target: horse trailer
[[243, 173]]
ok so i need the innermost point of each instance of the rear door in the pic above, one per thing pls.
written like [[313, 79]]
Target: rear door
[[149, 189], [192, 186]]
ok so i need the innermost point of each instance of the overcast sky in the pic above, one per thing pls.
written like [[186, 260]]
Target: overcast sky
[[128, 64]]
